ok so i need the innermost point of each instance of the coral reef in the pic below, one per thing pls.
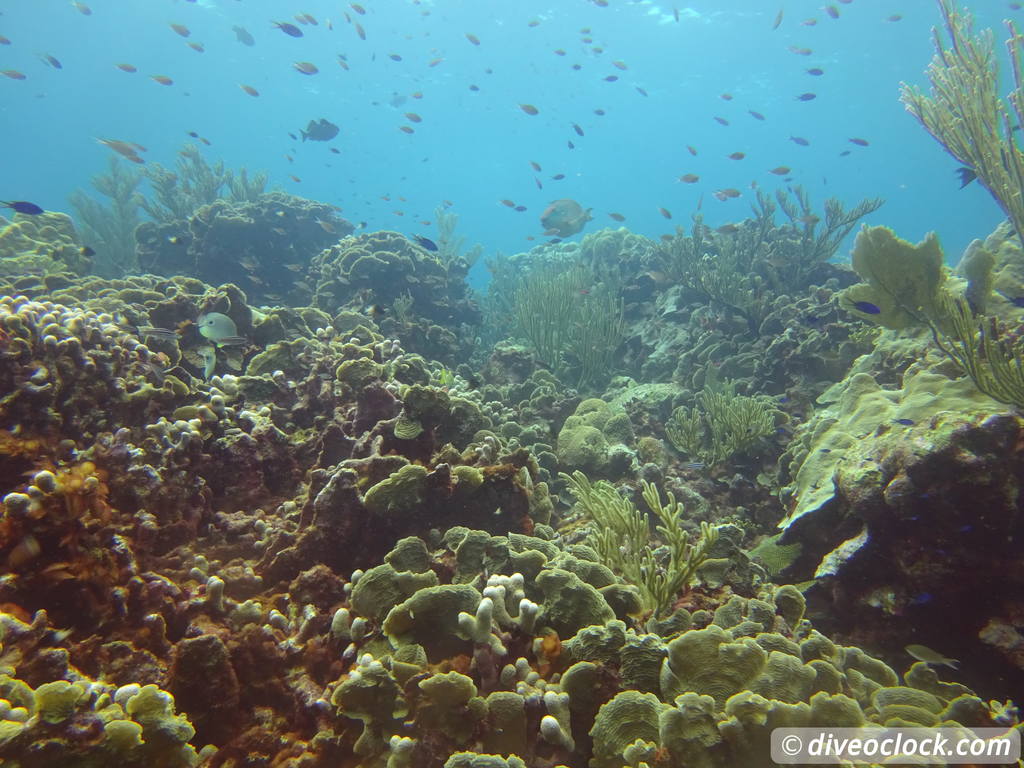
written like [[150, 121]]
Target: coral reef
[[110, 227], [41, 245]]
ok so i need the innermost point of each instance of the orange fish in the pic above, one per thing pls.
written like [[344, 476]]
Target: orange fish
[[800, 51], [619, 64], [782, 170], [529, 109], [181, 29], [305, 67], [162, 79], [249, 89]]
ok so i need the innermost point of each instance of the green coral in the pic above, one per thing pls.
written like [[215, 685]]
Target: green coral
[[724, 424], [110, 227], [622, 538], [904, 282]]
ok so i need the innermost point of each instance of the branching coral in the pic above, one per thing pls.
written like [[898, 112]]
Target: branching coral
[[724, 424], [573, 329], [110, 229], [622, 539], [964, 112]]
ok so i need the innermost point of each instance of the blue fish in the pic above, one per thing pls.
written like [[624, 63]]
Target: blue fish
[[426, 242], [21, 206], [867, 307], [905, 422]]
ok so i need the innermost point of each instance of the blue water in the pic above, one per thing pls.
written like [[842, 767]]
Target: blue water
[[475, 148]]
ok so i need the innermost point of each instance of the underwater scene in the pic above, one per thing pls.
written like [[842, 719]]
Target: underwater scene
[[522, 384]]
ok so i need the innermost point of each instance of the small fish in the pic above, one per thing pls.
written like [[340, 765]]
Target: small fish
[[357, 8], [13, 74], [599, 112], [619, 65], [289, 29], [811, 22], [181, 29], [781, 170], [800, 51], [665, 212], [529, 109], [894, 17], [696, 466], [815, 71], [208, 355], [374, 311], [559, 52], [22, 206], [164, 334], [691, 149], [473, 87], [799, 140], [507, 203], [755, 115], [616, 216], [413, 117], [4, 40], [928, 656], [807, 97], [395, 56], [640, 90], [426, 242], [579, 131], [737, 156], [360, 31], [866, 307], [243, 36], [473, 38], [82, 8], [832, 11], [305, 67], [776, 23], [535, 166], [197, 47], [904, 422], [406, 129], [53, 61], [967, 175], [249, 89], [86, 251], [611, 78], [162, 79], [859, 142], [519, 208], [558, 177], [689, 178], [127, 68], [721, 120]]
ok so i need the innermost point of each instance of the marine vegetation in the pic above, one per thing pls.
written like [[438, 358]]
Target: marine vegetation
[[965, 113], [110, 227], [721, 425], [622, 538]]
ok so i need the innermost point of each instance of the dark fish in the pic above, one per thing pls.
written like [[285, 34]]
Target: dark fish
[[799, 140], [904, 422], [426, 242], [473, 38], [127, 68], [519, 208], [558, 177], [243, 36], [807, 97], [721, 120], [21, 206], [611, 78], [319, 130], [181, 29], [816, 71], [866, 307], [665, 212], [529, 109], [967, 175], [579, 131], [616, 217], [53, 61], [535, 166], [755, 115], [289, 29], [640, 90], [85, 250], [305, 67], [776, 23], [164, 334], [249, 89], [689, 178], [782, 170], [737, 156], [859, 142], [13, 74]]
